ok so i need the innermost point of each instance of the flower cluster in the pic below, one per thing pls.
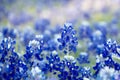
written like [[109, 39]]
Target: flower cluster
[[68, 39], [43, 55]]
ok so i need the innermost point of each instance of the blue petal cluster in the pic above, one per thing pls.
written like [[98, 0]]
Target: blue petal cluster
[[68, 39]]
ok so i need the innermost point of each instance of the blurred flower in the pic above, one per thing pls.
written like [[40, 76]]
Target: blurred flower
[[108, 73], [9, 33], [102, 26], [41, 25], [19, 19], [83, 58], [85, 31], [37, 74]]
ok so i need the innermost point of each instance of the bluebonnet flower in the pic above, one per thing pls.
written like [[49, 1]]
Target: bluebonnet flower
[[53, 46], [46, 41], [99, 64], [111, 45], [11, 66], [83, 58], [85, 72], [37, 73], [9, 33], [113, 31], [102, 26], [98, 37], [25, 37], [6, 49], [68, 68], [41, 25], [97, 40], [107, 49], [33, 52], [15, 67], [102, 62], [118, 50], [52, 60], [51, 38], [107, 73], [56, 29], [68, 39], [47, 36], [106, 56], [101, 50], [85, 31], [7, 45]]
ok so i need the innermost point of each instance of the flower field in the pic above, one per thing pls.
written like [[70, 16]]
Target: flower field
[[59, 39]]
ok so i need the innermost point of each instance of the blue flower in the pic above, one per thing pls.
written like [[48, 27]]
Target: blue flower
[[108, 73], [111, 48], [85, 31], [113, 31], [98, 40], [25, 37], [85, 72], [52, 60], [9, 33], [6, 47], [33, 52], [98, 37], [12, 67], [106, 55], [68, 39], [37, 73], [111, 45], [68, 70], [83, 58], [53, 46], [41, 25], [102, 26]]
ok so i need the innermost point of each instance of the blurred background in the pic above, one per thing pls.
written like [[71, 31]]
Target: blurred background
[[26, 12]]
